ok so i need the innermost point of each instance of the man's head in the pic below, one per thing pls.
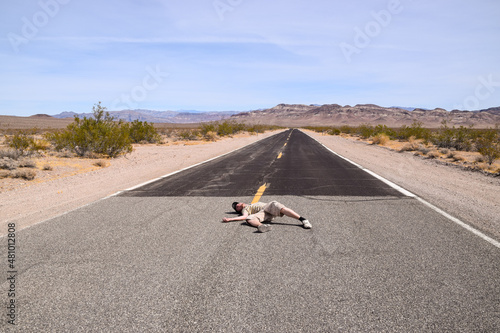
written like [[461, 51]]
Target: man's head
[[238, 206]]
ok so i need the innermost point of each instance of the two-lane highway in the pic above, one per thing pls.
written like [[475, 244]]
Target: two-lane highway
[[291, 163], [157, 258]]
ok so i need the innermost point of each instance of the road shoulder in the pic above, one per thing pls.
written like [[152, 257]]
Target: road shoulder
[[469, 196]]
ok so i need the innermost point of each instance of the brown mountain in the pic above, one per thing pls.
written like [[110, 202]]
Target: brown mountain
[[336, 115]]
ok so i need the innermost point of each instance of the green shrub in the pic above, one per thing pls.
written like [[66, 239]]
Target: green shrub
[[206, 128], [99, 134], [21, 142], [189, 135], [383, 129], [140, 131], [347, 129], [225, 128], [334, 131], [365, 131], [319, 129], [415, 130], [25, 143], [59, 139], [256, 129], [463, 139], [488, 145], [208, 131]]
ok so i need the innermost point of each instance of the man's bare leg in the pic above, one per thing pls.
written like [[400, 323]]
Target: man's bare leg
[[290, 213], [256, 223]]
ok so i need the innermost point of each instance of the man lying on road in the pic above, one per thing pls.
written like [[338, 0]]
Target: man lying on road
[[259, 212]]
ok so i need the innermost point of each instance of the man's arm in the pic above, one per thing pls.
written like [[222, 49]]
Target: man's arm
[[239, 218]]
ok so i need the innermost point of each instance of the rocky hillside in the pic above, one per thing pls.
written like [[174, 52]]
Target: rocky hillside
[[336, 115]]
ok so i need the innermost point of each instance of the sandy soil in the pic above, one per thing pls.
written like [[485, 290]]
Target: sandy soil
[[470, 196]]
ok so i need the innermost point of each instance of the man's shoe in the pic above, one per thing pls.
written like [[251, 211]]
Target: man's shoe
[[307, 224], [264, 228]]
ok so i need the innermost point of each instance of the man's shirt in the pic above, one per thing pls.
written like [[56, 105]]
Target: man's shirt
[[254, 208]]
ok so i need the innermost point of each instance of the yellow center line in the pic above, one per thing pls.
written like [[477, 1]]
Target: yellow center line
[[279, 156], [259, 193]]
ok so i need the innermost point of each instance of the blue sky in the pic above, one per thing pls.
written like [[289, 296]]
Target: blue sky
[[66, 55]]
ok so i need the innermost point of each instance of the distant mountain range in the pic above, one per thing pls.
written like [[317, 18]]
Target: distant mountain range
[[296, 115], [190, 116], [336, 115]]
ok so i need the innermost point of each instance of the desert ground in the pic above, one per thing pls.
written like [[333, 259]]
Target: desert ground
[[71, 183]]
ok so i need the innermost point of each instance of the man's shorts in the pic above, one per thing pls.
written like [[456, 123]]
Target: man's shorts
[[270, 211]]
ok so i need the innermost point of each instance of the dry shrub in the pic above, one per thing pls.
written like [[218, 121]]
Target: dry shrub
[[210, 136], [456, 157], [24, 174], [101, 164], [433, 154], [91, 155], [9, 153], [380, 139], [412, 145], [424, 150], [4, 174], [27, 163], [65, 153], [480, 159], [8, 164], [47, 167], [482, 166]]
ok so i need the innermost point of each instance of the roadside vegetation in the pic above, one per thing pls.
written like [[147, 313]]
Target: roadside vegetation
[[476, 149], [100, 138], [212, 131]]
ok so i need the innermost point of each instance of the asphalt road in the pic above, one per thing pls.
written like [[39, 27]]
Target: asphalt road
[[158, 259]]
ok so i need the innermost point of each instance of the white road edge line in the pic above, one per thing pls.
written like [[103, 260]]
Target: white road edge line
[[409, 194], [137, 186]]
